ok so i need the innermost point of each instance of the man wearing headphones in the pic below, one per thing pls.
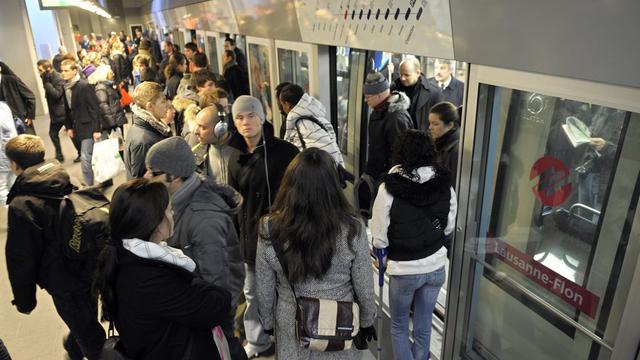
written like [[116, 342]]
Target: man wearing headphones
[[255, 171], [213, 152]]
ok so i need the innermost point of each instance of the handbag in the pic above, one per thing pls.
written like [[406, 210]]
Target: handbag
[[125, 98], [323, 325]]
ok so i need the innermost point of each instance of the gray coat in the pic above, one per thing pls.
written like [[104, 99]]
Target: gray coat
[[350, 276], [203, 213]]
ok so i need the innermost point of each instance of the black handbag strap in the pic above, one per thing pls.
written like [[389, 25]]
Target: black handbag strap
[[313, 120], [277, 247]]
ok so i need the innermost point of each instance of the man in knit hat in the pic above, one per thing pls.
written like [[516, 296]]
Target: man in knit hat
[[387, 121], [203, 214], [255, 171]]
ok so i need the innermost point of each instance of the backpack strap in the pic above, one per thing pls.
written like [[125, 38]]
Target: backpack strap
[[313, 120]]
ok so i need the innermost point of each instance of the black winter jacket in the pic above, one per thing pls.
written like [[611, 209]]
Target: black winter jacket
[[112, 113], [18, 96], [33, 255], [447, 146], [425, 95], [54, 90], [84, 114], [386, 123], [418, 215], [164, 313], [247, 176], [140, 138], [121, 67], [237, 80]]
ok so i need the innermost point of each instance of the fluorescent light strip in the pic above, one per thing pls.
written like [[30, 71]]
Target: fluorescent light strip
[[90, 6]]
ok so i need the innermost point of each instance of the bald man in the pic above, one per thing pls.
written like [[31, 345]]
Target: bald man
[[212, 151], [421, 92]]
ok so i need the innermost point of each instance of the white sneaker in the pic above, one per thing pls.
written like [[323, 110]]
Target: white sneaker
[[264, 351]]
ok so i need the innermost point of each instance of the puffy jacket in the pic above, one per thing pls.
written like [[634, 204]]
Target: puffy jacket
[[112, 113], [121, 67], [33, 257], [54, 91], [425, 95], [386, 123], [163, 313], [247, 176], [7, 131], [312, 134], [140, 137], [204, 229]]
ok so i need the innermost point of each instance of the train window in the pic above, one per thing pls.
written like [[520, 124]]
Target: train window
[[294, 67], [212, 52], [261, 76], [550, 214]]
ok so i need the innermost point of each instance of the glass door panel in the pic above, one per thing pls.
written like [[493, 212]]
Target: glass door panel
[[293, 67], [212, 52], [559, 187], [260, 76]]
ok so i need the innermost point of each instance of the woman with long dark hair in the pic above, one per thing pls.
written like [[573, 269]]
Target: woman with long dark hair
[[324, 248], [444, 121], [413, 212], [148, 288], [173, 72]]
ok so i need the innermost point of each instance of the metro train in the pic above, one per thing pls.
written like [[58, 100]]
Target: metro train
[[545, 261]]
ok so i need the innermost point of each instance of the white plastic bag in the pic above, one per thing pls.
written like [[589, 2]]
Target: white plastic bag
[[106, 162], [221, 343]]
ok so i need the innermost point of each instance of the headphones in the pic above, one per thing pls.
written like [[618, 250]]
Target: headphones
[[222, 127]]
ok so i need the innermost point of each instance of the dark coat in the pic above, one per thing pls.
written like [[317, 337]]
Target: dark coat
[[237, 80], [454, 93], [54, 91], [425, 95], [17, 95], [386, 123], [140, 137], [162, 310], [241, 59], [112, 113], [32, 257], [171, 88], [84, 115], [247, 176], [57, 61], [447, 146], [121, 67]]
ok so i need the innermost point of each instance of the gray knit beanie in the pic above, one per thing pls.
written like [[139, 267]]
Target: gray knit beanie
[[375, 83], [172, 156], [246, 103]]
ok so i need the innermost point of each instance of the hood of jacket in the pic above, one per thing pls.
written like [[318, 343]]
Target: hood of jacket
[[420, 189], [47, 179], [307, 106], [201, 192], [181, 102], [398, 101]]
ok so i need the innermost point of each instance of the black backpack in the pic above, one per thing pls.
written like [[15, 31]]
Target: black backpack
[[83, 230]]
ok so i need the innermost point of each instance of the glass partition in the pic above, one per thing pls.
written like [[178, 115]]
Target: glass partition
[[212, 53], [261, 76], [559, 189], [294, 67]]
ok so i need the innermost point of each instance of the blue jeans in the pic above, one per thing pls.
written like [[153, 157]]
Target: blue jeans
[[421, 290], [257, 339], [86, 153]]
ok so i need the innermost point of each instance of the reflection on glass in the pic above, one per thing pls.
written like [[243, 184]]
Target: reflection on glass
[[343, 73], [294, 67], [212, 53], [550, 165], [261, 76]]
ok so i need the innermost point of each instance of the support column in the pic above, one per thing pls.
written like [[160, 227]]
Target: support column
[[65, 29]]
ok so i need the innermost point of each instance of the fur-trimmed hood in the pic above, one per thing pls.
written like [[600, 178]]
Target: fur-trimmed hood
[[398, 101], [427, 185]]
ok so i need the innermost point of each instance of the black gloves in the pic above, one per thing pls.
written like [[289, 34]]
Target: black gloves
[[364, 336]]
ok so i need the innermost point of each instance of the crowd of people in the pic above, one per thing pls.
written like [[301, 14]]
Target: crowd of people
[[219, 214]]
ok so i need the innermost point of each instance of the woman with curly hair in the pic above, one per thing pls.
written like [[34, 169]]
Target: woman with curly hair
[[414, 211]]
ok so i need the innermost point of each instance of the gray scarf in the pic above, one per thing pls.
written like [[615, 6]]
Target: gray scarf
[[147, 117], [68, 86]]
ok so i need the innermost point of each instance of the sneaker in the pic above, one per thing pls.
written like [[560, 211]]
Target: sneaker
[[253, 353]]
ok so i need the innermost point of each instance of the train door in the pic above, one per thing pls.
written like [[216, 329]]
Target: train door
[[261, 62], [210, 43], [545, 264]]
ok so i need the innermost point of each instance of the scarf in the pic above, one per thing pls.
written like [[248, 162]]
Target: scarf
[[147, 117], [160, 252], [181, 198], [68, 86], [228, 65]]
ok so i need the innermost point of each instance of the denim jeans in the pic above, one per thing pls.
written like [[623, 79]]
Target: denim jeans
[[421, 290], [256, 337], [86, 152], [80, 313], [6, 181]]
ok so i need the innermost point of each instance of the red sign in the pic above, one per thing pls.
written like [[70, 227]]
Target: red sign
[[551, 172], [568, 291]]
